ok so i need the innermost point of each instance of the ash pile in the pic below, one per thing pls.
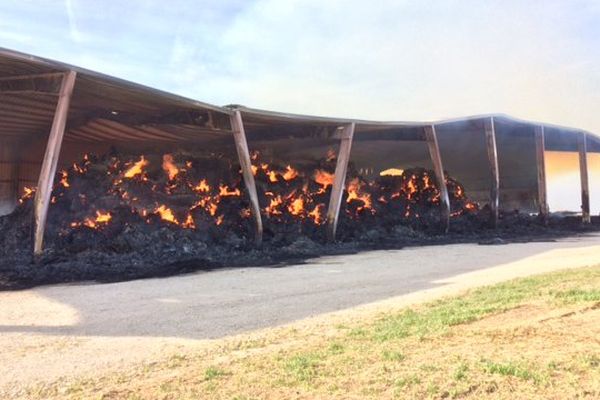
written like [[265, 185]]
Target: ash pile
[[121, 216]]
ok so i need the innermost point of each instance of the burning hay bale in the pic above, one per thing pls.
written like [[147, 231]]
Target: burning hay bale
[[205, 194], [170, 191], [294, 200], [121, 216]]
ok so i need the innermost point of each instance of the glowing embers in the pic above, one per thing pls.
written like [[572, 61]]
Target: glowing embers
[[28, 193], [414, 192], [169, 189], [201, 193], [64, 178], [101, 218], [291, 194]]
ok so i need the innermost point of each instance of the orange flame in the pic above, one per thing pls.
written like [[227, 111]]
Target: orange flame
[[316, 214], [102, 218], [225, 191], [136, 169], [290, 173], [272, 176], [297, 206], [64, 180], [202, 186], [212, 209], [28, 193], [189, 222], [169, 166], [271, 209], [411, 186], [166, 214], [324, 178], [354, 193]]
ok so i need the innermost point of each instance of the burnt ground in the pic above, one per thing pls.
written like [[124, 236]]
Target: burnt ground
[[141, 250]]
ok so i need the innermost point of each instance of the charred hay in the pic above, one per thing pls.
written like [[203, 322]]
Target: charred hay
[[186, 212]]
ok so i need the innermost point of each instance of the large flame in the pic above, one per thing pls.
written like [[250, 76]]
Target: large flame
[[356, 192]]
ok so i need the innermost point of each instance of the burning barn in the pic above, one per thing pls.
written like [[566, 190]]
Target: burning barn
[[106, 179]]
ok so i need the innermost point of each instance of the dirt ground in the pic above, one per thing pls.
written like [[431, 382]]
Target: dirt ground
[[41, 339]]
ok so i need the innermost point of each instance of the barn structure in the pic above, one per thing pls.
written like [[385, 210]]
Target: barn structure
[[52, 113]]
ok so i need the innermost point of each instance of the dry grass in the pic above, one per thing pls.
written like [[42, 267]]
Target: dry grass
[[536, 337]]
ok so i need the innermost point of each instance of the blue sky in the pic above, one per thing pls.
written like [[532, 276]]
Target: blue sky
[[400, 60]]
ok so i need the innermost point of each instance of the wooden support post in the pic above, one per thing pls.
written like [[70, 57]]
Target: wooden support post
[[492, 151], [48, 170], [436, 158], [337, 190], [241, 145], [583, 173], [540, 147]]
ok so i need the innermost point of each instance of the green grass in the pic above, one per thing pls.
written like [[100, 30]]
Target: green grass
[[408, 381], [213, 372], [336, 348], [303, 367], [576, 295], [510, 368], [460, 373], [436, 317], [390, 355]]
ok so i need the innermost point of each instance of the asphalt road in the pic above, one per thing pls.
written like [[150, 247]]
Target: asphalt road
[[218, 303]]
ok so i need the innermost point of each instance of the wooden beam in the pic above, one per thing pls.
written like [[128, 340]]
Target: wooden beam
[[436, 158], [35, 92], [541, 172], [241, 145], [48, 75], [583, 173], [48, 170], [492, 151], [337, 190], [31, 84]]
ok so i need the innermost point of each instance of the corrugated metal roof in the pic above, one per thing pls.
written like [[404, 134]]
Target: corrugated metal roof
[[102, 107], [105, 108]]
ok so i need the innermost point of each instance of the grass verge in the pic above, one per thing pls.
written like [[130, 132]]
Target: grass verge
[[535, 337]]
